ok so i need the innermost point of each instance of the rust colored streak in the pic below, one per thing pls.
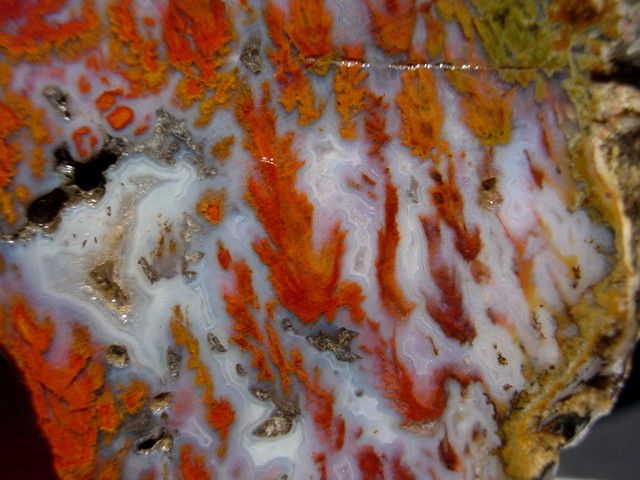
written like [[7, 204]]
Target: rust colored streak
[[296, 92], [310, 27], [393, 22], [370, 464], [399, 471], [319, 402], [320, 459], [536, 173], [65, 398], [448, 455], [449, 202], [375, 124], [224, 257], [341, 428], [219, 412], [192, 464], [393, 299], [523, 265], [247, 333], [398, 384], [447, 310], [276, 353], [306, 278], [436, 33]]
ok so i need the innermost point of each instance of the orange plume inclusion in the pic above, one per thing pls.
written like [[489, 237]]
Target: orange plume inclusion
[[17, 114], [421, 113], [310, 27], [240, 300], [134, 55], [486, 108], [200, 55], [398, 382], [305, 277], [107, 99], [75, 407], [134, 396], [319, 402], [393, 299], [35, 37], [375, 125], [370, 463], [192, 464], [219, 411], [296, 91], [65, 398], [239, 304], [447, 310], [120, 117], [350, 95], [393, 22], [78, 136], [221, 150], [449, 203], [212, 205]]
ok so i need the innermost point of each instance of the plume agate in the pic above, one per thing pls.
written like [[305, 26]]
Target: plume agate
[[324, 239]]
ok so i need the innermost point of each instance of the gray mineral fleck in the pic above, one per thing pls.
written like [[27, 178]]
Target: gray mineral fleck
[[250, 56], [117, 356], [339, 343]]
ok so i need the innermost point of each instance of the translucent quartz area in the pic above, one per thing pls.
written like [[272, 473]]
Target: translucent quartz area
[[293, 239]]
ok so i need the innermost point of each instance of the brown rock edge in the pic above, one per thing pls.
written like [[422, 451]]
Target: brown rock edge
[[605, 157]]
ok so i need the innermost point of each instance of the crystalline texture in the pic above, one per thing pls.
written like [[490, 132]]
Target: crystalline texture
[[316, 239]]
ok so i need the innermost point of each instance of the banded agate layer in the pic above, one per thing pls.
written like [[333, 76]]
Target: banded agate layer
[[305, 239]]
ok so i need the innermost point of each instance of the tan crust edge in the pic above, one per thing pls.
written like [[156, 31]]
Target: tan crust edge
[[584, 387]]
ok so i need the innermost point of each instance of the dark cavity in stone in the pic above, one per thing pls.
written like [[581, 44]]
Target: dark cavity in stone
[[45, 209], [86, 176], [90, 174], [623, 68], [567, 425], [162, 442]]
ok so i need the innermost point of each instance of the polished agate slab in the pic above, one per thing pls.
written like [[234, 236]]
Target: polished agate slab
[[316, 239]]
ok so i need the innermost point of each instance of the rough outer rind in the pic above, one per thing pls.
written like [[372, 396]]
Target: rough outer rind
[[604, 157]]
